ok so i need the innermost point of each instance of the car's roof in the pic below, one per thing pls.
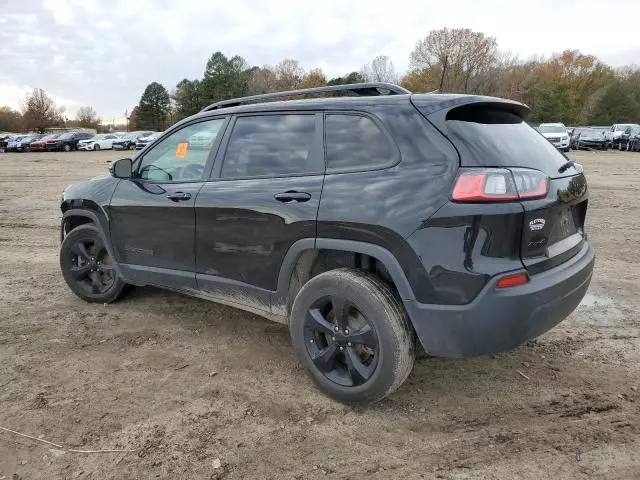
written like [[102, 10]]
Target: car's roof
[[557, 124]]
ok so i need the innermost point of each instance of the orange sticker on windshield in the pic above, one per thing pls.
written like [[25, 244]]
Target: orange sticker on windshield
[[181, 150]]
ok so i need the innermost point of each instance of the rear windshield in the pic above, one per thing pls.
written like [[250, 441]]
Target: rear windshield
[[492, 137]]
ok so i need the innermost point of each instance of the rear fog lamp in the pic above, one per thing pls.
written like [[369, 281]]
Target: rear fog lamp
[[513, 280]]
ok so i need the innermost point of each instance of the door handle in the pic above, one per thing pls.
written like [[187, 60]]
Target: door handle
[[292, 196], [179, 196]]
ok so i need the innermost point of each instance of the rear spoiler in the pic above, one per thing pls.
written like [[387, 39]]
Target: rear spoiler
[[430, 104]]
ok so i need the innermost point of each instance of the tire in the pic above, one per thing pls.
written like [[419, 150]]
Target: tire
[[96, 147], [335, 360], [82, 269], [567, 149], [66, 147], [132, 146]]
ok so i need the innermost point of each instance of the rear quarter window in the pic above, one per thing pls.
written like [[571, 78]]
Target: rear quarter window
[[355, 142]]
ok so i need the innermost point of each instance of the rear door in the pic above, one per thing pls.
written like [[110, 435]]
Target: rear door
[[494, 134], [263, 196]]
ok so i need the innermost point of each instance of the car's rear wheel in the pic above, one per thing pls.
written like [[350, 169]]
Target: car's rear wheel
[[87, 266], [132, 146], [66, 147], [352, 334]]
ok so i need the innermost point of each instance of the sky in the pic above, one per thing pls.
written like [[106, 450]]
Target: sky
[[103, 53]]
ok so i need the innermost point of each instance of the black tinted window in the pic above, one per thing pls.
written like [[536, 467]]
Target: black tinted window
[[270, 145], [492, 137], [353, 141]]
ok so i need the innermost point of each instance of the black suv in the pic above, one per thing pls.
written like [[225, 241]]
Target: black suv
[[363, 222], [67, 141]]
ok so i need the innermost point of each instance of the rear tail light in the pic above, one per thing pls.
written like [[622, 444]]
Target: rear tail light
[[500, 185], [514, 280]]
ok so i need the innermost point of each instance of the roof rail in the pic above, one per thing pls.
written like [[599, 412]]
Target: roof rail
[[363, 89]]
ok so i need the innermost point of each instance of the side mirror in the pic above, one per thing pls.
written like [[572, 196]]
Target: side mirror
[[121, 168]]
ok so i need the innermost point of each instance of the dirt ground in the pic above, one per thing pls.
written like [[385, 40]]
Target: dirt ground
[[199, 390]]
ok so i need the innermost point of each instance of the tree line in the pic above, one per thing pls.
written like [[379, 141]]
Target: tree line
[[571, 87], [39, 113]]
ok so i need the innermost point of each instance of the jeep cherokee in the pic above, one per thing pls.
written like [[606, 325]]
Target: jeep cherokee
[[371, 224]]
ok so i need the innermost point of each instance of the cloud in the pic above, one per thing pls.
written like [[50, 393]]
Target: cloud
[[103, 53]]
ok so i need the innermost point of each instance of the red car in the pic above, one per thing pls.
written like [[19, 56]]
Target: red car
[[41, 145]]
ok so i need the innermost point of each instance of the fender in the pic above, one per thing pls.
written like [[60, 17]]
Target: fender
[[98, 223], [379, 253]]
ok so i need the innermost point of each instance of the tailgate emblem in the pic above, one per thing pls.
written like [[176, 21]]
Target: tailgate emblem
[[537, 224]]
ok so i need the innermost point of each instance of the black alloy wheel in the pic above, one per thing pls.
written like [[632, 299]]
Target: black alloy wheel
[[92, 267], [340, 341], [352, 334], [88, 268]]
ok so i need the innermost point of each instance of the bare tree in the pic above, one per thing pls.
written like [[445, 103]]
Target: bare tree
[[288, 74], [381, 69], [262, 80], [40, 112], [87, 117], [459, 54]]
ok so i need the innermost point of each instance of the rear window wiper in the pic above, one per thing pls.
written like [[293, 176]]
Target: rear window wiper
[[566, 166]]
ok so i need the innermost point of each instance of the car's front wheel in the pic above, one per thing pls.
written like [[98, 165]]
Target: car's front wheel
[[96, 147], [66, 147], [132, 146], [352, 334], [87, 266]]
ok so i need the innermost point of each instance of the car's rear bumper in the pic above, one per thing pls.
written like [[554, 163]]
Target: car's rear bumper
[[501, 319]]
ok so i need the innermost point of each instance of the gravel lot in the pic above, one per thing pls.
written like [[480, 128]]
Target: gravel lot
[[199, 390]]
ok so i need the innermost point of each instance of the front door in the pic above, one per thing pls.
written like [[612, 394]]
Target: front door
[[265, 199], [152, 214]]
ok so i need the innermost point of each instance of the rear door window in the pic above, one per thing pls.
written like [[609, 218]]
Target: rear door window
[[272, 145], [495, 137], [355, 142]]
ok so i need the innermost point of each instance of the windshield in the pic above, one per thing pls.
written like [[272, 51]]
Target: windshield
[[591, 132], [65, 136], [622, 127], [131, 135], [551, 129], [50, 137]]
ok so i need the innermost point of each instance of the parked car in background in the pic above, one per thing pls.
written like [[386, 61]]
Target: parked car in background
[[40, 145], [590, 138], [102, 141], [67, 141], [557, 134], [202, 140], [5, 137], [144, 141], [128, 141], [617, 131], [24, 144], [12, 143], [627, 138]]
